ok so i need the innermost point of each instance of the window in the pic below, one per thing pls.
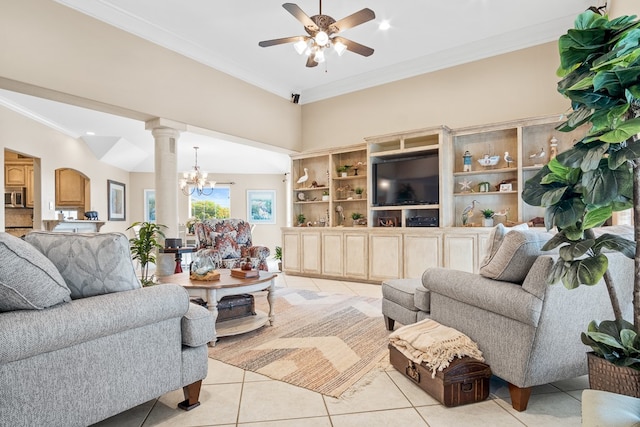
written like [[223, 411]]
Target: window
[[215, 205]]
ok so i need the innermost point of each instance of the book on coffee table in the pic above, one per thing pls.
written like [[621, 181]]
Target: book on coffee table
[[243, 274]]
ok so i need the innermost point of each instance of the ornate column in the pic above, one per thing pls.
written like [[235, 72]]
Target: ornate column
[[166, 134]]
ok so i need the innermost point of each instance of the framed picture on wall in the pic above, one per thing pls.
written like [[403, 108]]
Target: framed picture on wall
[[261, 206], [116, 201], [150, 205]]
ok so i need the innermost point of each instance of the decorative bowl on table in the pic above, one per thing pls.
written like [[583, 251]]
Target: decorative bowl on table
[[203, 268], [489, 160]]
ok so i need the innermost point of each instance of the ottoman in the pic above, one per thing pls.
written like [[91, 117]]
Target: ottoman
[[405, 301]]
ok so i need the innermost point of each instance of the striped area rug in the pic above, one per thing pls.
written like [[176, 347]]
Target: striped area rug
[[320, 341]]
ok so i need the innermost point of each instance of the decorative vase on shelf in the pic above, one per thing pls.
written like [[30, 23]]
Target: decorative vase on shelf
[[487, 222]]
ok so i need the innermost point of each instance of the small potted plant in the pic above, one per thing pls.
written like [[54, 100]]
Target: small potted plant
[[278, 257], [143, 246], [325, 196], [357, 218], [359, 191], [487, 217], [301, 220], [342, 170]]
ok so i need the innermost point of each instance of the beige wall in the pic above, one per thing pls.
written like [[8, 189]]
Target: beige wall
[[624, 7], [56, 150], [512, 86], [264, 234], [52, 51]]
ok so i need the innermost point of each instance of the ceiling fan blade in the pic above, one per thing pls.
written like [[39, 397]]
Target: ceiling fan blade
[[352, 20], [299, 14], [354, 47], [267, 43], [311, 62]]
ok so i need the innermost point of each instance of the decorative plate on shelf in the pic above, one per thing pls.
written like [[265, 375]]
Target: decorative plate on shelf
[[301, 196]]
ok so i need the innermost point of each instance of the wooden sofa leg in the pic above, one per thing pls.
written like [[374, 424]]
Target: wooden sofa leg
[[519, 397], [389, 322], [191, 396]]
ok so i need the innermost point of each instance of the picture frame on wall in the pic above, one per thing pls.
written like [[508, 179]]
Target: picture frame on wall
[[261, 206], [150, 205], [116, 201]]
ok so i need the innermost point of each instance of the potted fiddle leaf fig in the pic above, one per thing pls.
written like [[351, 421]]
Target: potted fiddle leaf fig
[[143, 246], [582, 187]]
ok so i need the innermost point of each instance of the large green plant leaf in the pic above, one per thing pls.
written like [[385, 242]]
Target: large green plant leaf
[[576, 249], [623, 132], [593, 156], [557, 271], [596, 217], [534, 190], [553, 196], [573, 157], [555, 241], [602, 185], [627, 337], [605, 339], [616, 243], [627, 152], [576, 119], [587, 271], [565, 213]]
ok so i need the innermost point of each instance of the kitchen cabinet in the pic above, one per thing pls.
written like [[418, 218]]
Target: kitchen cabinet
[[15, 175], [70, 188]]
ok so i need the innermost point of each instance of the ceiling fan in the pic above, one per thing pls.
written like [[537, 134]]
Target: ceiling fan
[[323, 33]]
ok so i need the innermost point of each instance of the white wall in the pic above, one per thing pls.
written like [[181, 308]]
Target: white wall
[[57, 150]]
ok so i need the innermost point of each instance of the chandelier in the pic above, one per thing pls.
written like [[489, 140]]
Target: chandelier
[[196, 181]]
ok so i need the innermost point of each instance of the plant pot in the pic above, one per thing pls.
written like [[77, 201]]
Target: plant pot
[[343, 174], [487, 222], [325, 198], [605, 376], [358, 195]]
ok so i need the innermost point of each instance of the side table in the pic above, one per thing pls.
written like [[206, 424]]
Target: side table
[[178, 252]]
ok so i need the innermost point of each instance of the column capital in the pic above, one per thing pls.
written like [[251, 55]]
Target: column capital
[[161, 123]]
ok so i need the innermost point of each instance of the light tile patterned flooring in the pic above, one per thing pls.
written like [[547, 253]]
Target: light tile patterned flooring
[[233, 397]]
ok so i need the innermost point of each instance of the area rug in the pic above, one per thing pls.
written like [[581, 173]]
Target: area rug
[[320, 341]]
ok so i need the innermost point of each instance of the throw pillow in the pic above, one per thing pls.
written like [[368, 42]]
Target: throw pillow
[[28, 280], [495, 240], [91, 264], [515, 256], [227, 245]]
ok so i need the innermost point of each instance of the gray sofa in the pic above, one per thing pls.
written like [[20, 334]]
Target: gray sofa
[[528, 331], [81, 341]]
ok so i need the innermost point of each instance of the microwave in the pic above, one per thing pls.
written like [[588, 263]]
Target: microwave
[[14, 198]]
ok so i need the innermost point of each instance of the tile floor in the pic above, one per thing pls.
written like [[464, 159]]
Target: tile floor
[[233, 397]]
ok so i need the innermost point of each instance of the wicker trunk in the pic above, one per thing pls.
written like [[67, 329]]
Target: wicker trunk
[[605, 376]]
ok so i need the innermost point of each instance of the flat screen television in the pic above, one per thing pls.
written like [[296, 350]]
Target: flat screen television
[[406, 180]]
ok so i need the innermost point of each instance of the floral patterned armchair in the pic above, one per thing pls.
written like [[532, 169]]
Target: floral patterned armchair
[[228, 241]]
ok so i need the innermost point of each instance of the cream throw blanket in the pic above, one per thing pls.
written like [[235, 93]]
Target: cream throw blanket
[[434, 344]]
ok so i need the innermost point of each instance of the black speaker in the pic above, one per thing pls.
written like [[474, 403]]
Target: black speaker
[[295, 98]]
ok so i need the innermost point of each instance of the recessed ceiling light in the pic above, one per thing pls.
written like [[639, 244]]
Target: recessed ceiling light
[[384, 25], [90, 133]]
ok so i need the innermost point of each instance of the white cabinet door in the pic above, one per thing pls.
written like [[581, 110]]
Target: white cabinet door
[[310, 247], [460, 252], [420, 253], [356, 255], [291, 252], [385, 261], [332, 258]]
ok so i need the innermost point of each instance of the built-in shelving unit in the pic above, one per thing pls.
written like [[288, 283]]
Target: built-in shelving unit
[[405, 235]]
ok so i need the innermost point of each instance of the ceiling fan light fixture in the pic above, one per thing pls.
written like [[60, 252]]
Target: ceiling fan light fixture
[[339, 47], [322, 38], [300, 46], [319, 56]]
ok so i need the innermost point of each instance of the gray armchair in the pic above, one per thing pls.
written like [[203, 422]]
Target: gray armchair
[[528, 331]]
